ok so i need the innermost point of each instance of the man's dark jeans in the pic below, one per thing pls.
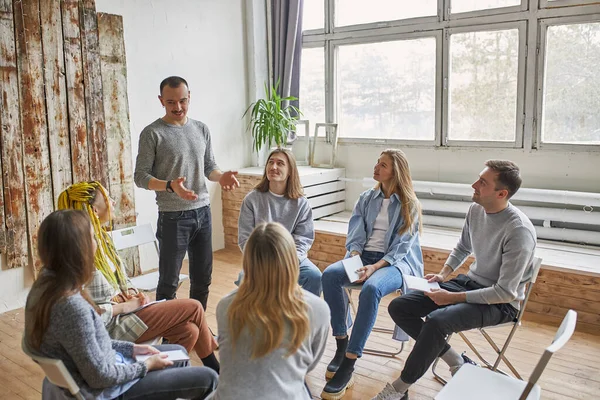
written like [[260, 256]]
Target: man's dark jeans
[[430, 335], [178, 232]]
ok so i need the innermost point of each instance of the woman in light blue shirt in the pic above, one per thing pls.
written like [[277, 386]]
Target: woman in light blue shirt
[[384, 232]]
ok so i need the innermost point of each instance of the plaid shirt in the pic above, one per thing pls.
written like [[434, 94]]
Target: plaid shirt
[[128, 327]]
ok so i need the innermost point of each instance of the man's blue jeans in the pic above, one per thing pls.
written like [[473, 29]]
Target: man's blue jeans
[[383, 282], [179, 232]]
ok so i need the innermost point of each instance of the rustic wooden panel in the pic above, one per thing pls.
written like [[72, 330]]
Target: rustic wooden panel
[[118, 136], [13, 196], [56, 96], [36, 159], [75, 91], [92, 79]]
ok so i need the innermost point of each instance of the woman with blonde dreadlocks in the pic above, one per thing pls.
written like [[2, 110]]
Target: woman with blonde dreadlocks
[[180, 321]]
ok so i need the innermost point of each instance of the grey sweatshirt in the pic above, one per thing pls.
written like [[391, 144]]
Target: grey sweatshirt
[[294, 214], [169, 151], [273, 376], [76, 335], [504, 245]]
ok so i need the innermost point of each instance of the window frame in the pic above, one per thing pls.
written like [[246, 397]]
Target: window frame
[[528, 17], [543, 25], [521, 27]]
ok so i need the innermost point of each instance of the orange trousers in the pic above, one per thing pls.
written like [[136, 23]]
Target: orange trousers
[[180, 321]]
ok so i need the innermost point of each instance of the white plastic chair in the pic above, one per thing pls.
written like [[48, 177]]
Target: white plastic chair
[[500, 351], [55, 371], [474, 383], [137, 236]]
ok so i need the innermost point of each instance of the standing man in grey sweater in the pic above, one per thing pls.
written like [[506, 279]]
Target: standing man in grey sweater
[[174, 158], [503, 241]]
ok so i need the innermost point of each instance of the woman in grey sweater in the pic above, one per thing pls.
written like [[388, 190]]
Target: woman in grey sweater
[[271, 332], [61, 322], [279, 197]]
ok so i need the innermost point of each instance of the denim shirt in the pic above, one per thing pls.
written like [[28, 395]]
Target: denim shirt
[[402, 251]]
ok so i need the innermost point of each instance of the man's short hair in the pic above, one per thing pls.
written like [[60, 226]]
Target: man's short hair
[[173, 82], [509, 175]]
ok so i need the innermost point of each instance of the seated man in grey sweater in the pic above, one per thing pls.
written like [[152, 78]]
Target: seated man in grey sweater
[[279, 197], [503, 241]]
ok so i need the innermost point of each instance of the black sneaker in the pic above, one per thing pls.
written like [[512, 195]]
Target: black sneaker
[[467, 360]]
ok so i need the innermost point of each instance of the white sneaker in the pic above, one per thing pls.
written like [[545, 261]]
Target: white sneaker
[[389, 393]]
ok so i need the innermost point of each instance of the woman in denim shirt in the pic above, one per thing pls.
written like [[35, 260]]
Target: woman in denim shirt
[[384, 232]]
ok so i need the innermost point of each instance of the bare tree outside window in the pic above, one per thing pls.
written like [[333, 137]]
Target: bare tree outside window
[[387, 90], [483, 85], [571, 103]]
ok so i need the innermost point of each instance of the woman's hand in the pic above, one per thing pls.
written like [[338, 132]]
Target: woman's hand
[[141, 349], [354, 253], [158, 361], [366, 271], [143, 298], [131, 305]]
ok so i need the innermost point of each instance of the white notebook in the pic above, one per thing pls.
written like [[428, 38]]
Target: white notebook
[[351, 265], [415, 283], [173, 355]]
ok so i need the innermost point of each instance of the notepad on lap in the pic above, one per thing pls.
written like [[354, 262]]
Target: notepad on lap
[[173, 355], [351, 265], [415, 283]]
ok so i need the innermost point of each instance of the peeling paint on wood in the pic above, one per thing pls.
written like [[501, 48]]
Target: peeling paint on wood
[[92, 78], [14, 224], [56, 96], [75, 91], [36, 157], [118, 137]]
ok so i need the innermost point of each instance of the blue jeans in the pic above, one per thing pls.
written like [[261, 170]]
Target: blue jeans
[[309, 279], [383, 282], [177, 381], [179, 232]]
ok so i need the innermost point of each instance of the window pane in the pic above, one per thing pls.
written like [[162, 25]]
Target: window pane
[[483, 85], [350, 12], [312, 87], [458, 6], [572, 85], [387, 90], [313, 15]]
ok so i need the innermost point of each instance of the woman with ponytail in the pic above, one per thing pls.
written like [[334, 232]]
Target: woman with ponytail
[[180, 321], [61, 323]]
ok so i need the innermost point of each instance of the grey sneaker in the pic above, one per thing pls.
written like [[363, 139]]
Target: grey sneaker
[[389, 393], [466, 360]]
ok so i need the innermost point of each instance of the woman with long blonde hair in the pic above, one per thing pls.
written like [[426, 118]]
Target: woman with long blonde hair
[[271, 331], [180, 321], [279, 197], [61, 323], [384, 232]]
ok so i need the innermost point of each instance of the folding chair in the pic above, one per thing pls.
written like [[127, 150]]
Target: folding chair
[[137, 236], [474, 383], [397, 333], [500, 352], [55, 371]]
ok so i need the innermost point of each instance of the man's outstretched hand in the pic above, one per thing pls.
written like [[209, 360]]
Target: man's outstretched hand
[[182, 191], [228, 180]]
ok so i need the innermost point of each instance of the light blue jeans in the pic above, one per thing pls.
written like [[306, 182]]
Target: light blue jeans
[[309, 279], [383, 282]]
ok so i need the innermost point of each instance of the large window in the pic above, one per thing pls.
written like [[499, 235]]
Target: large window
[[493, 73]]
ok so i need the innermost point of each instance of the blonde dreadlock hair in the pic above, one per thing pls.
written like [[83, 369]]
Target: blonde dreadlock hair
[[81, 196]]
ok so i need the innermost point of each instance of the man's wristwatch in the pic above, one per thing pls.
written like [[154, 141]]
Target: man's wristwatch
[[169, 188]]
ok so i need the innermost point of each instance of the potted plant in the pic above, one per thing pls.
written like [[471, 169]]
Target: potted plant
[[271, 119]]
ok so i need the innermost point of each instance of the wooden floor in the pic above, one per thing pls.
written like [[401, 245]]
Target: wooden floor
[[573, 373]]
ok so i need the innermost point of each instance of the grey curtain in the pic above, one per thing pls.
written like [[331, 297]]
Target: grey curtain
[[287, 47]]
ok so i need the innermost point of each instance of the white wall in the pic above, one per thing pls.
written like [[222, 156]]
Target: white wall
[[204, 42], [540, 169], [201, 40]]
